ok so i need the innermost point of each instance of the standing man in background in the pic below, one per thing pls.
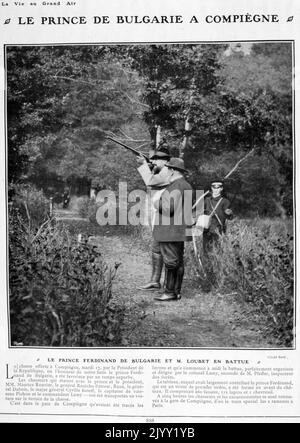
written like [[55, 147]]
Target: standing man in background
[[218, 208]]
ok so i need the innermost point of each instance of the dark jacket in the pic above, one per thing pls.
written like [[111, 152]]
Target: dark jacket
[[218, 221], [173, 217]]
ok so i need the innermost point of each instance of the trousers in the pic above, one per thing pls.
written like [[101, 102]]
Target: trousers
[[172, 253]]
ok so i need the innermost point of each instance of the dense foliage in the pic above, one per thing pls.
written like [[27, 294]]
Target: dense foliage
[[211, 103], [62, 101], [60, 290], [256, 260], [30, 203]]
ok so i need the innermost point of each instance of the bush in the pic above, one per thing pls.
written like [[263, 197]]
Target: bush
[[82, 206], [257, 260], [92, 211], [31, 204], [60, 291], [87, 208]]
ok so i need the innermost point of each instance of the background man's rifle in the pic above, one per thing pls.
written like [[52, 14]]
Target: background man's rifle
[[226, 176], [129, 148]]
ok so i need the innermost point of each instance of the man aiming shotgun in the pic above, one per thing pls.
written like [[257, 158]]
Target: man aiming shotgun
[[150, 169], [156, 181], [168, 223]]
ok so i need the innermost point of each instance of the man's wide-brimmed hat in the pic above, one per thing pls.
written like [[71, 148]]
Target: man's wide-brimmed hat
[[177, 164], [161, 152], [160, 155]]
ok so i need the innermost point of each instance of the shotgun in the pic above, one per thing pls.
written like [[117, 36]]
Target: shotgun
[[129, 148]]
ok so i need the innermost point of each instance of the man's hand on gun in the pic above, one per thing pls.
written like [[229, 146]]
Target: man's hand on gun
[[141, 159]]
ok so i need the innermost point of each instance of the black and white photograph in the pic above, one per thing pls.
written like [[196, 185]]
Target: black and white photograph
[[150, 195]]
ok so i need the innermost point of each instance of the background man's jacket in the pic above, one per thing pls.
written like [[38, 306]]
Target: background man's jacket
[[218, 221]]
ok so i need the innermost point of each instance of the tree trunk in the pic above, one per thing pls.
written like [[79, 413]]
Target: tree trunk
[[158, 136], [187, 129], [280, 207], [187, 123]]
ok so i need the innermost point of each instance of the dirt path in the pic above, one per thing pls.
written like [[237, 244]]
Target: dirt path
[[197, 320]]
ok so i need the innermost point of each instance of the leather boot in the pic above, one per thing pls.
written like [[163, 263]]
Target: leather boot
[[178, 281], [169, 293], [163, 288], [157, 264]]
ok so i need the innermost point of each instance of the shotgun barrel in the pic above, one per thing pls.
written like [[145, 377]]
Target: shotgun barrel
[[129, 148]]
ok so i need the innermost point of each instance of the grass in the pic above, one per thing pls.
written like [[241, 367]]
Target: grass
[[255, 258]]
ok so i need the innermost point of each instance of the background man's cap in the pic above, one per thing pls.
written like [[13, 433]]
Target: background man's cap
[[217, 180], [177, 164]]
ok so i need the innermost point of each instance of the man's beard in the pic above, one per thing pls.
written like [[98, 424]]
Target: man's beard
[[156, 169]]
